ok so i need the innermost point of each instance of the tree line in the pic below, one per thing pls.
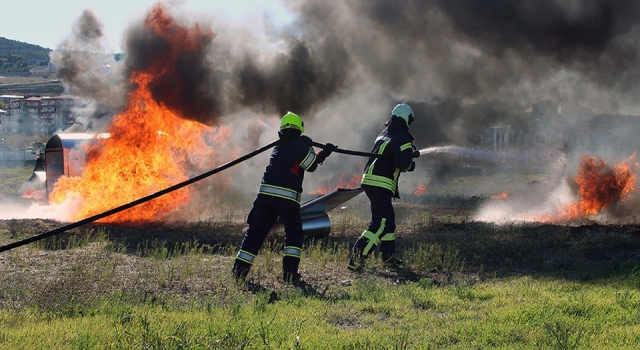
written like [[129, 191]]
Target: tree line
[[19, 57]]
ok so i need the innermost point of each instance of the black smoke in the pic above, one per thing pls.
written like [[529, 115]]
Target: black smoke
[[463, 64], [175, 54], [298, 79]]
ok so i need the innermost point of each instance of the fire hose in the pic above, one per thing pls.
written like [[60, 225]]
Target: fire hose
[[163, 192], [349, 152]]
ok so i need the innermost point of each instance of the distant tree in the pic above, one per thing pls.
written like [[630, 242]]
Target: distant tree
[[16, 56], [2, 105]]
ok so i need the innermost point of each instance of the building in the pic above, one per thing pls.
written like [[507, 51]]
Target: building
[[8, 98], [547, 128], [37, 115], [501, 137], [44, 71]]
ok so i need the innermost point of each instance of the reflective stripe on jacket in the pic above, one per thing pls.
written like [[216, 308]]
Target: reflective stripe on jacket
[[283, 177], [396, 144]]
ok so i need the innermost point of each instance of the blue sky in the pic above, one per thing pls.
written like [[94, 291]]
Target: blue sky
[[49, 22]]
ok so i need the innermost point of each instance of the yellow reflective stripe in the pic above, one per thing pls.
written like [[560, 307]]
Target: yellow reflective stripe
[[245, 256], [373, 237], [368, 248], [281, 192], [406, 146], [388, 237], [384, 145], [396, 174], [373, 241], [308, 160], [381, 149], [292, 251], [370, 169], [378, 181]]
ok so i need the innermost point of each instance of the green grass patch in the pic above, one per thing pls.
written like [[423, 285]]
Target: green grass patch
[[464, 285], [519, 312], [11, 178]]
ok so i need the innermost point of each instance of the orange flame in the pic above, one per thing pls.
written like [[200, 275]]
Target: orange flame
[[503, 195], [342, 181], [420, 190], [600, 187], [150, 147]]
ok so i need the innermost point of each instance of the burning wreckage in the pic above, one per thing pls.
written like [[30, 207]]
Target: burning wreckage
[[66, 156]]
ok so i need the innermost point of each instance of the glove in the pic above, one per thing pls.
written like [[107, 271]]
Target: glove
[[412, 167], [322, 155], [329, 148], [416, 153]]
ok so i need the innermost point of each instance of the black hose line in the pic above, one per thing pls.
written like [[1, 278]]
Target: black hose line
[[346, 151], [137, 201], [163, 192]]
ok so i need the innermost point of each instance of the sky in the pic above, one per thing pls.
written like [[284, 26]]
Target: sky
[[48, 22]]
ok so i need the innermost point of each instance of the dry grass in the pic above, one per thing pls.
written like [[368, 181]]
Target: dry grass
[[465, 284], [23, 80]]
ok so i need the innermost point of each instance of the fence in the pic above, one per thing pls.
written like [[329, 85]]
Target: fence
[[17, 158]]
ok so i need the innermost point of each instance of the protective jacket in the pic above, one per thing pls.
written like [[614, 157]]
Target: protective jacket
[[282, 179], [279, 197], [396, 145]]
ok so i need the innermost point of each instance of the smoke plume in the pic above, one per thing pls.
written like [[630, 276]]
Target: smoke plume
[[87, 71], [185, 80], [462, 65]]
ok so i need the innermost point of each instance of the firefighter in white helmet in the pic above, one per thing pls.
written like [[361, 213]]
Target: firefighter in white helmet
[[380, 183], [279, 197]]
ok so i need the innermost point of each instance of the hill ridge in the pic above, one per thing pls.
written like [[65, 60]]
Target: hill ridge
[[19, 57]]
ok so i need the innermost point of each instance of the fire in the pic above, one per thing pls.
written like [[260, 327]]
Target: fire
[[503, 195], [600, 186], [342, 181], [420, 190], [150, 147]]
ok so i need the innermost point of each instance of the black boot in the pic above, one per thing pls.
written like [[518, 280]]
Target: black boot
[[388, 250], [240, 270], [393, 263], [356, 262], [290, 273]]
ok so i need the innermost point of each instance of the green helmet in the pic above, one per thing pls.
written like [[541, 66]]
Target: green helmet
[[292, 121], [404, 112]]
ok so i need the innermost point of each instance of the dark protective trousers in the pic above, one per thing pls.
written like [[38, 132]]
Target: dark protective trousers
[[381, 230], [261, 219]]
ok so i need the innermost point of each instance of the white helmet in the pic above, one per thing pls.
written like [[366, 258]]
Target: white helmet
[[403, 111]]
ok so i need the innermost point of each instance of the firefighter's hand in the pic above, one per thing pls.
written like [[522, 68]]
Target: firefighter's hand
[[416, 153], [329, 148], [325, 152], [412, 167]]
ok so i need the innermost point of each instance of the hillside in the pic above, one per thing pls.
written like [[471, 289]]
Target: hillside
[[19, 57]]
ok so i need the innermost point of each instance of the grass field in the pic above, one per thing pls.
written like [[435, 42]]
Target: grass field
[[464, 285]]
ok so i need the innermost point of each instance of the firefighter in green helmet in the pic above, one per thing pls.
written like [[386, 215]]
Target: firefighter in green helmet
[[279, 197]]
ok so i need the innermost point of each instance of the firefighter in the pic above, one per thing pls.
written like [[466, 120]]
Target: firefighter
[[380, 184], [279, 197]]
